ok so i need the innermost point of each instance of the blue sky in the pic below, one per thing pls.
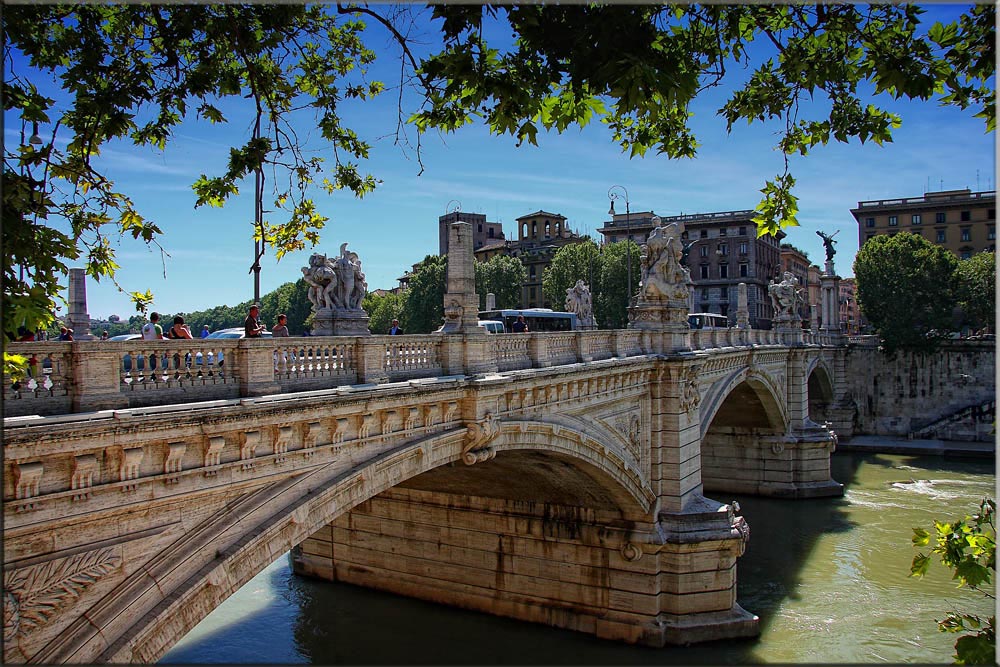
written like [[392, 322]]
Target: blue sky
[[211, 249]]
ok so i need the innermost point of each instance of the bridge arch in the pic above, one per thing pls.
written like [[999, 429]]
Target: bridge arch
[[280, 516], [820, 390], [738, 433]]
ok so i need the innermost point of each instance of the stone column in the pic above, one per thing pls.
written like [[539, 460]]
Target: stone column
[[742, 307], [470, 352], [78, 319], [461, 303], [814, 317], [830, 292]]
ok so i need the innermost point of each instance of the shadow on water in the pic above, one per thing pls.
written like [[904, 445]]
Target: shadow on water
[[311, 621]]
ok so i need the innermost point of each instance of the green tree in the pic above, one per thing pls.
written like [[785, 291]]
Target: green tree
[[975, 280], [423, 307], [382, 310], [134, 72], [572, 262], [905, 289], [503, 276], [568, 65], [611, 296], [968, 548]]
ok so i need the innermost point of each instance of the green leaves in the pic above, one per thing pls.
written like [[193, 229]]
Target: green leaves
[[906, 289], [779, 206], [968, 547]]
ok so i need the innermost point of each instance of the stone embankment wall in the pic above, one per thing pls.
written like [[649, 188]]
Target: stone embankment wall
[[939, 395]]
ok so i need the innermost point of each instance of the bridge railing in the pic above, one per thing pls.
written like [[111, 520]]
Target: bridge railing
[[81, 376]]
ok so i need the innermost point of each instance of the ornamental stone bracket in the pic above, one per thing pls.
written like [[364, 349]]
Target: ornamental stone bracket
[[690, 397], [479, 435]]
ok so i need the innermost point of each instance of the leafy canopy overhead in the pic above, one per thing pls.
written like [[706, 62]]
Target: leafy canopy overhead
[[134, 72], [639, 68]]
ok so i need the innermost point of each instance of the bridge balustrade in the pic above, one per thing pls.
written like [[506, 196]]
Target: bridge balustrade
[[81, 376]]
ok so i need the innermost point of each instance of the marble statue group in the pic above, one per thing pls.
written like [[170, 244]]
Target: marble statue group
[[579, 301], [335, 284], [661, 261]]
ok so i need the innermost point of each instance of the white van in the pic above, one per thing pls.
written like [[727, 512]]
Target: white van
[[492, 326]]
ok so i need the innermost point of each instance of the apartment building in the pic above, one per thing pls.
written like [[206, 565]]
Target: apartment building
[[796, 262], [850, 315], [962, 221]]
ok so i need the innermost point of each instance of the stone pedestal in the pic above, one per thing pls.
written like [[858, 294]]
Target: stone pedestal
[[789, 327], [742, 307], [350, 322], [323, 322], [666, 320]]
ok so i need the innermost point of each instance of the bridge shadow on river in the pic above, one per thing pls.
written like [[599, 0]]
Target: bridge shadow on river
[[327, 623]]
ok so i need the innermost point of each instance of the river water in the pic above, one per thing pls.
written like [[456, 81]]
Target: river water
[[827, 577]]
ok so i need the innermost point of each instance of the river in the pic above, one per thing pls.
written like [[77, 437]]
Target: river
[[827, 577]]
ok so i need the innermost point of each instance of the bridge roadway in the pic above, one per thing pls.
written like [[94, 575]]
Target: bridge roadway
[[557, 478]]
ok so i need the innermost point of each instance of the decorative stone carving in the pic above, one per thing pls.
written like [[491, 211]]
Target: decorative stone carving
[[213, 454], [28, 477], [478, 436], [36, 593], [786, 296], [390, 422], [631, 552], [248, 450], [451, 409], [84, 467], [412, 419], [663, 274], [453, 312], [173, 465], [281, 441], [130, 468], [340, 425], [690, 396], [315, 433], [367, 422], [433, 414], [579, 301], [336, 289]]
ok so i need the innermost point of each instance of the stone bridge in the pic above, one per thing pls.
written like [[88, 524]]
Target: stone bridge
[[552, 477]]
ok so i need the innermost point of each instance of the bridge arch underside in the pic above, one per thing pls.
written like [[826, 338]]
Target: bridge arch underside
[[572, 542], [820, 388], [750, 448], [537, 536]]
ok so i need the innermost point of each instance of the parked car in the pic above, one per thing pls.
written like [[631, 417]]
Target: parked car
[[492, 326], [234, 332]]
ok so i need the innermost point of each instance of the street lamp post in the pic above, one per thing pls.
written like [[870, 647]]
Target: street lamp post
[[613, 195]]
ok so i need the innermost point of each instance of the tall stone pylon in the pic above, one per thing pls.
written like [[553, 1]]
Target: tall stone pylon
[[78, 319], [461, 303]]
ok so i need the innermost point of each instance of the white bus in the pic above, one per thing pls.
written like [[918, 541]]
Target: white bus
[[708, 321], [537, 319]]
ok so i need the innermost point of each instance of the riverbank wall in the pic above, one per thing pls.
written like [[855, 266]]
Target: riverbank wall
[[949, 394]]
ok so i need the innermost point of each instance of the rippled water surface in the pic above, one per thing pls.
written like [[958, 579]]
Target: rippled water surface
[[828, 579]]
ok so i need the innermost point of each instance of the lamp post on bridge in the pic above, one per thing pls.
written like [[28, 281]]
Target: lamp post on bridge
[[613, 195]]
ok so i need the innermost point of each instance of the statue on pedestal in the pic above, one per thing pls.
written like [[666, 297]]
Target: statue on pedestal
[[663, 273], [828, 243], [578, 300], [786, 296], [336, 289]]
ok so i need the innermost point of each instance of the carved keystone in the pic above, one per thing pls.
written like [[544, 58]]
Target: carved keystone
[[129, 470], [172, 466], [478, 437], [27, 480], [84, 468], [249, 448], [213, 454]]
